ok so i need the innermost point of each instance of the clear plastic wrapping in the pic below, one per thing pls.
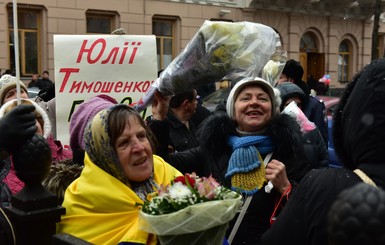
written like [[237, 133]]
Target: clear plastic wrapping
[[217, 50], [274, 67], [294, 111], [203, 223]]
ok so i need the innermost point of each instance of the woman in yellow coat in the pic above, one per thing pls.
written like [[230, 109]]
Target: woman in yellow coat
[[102, 205]]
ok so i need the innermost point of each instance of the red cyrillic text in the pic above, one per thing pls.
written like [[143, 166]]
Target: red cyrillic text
[[96, 50]]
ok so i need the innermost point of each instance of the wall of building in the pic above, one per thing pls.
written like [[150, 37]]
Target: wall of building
[[135, 16]]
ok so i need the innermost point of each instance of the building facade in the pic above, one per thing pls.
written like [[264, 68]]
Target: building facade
[[324, 44]]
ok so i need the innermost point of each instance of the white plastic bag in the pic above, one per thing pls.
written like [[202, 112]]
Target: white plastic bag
[[217, 50]]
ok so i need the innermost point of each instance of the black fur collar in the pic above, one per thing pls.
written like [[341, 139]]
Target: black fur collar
[[284, 130]]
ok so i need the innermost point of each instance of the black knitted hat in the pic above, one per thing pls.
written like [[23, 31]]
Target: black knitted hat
[[293, 69]]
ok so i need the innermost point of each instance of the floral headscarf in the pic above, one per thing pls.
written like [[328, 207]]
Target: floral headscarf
[[99, 147]]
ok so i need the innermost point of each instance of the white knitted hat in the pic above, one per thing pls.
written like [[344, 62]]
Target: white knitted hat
[[8, 82], [274, 94]]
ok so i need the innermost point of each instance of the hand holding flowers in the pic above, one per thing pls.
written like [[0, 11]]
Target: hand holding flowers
[[190, 205]]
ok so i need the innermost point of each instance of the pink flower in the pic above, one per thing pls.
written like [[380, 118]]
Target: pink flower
[[207, 187]]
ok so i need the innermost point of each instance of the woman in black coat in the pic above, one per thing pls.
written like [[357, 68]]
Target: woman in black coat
[[233, 145], [358, 133]]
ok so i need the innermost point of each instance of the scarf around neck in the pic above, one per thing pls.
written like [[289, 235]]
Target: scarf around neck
[[245, 170], [245, 153]]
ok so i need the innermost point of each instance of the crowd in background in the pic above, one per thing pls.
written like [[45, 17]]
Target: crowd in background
[[248, 144]]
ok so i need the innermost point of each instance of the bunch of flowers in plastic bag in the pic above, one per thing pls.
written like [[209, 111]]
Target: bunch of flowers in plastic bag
[[218, 50], [186, 191], [191, 210]]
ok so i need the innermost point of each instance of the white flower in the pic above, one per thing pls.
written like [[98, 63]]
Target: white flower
[[179, 191]]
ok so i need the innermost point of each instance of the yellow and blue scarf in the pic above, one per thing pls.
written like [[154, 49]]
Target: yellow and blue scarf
[[245, 167]]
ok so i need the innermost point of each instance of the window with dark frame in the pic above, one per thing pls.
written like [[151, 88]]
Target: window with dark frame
[[163, 29], [343, 61], [29, 40], [102, 22]]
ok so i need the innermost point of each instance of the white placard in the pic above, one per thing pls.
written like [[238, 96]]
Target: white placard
[[121, 66]]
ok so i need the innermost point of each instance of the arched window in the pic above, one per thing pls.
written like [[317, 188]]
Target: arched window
[[308, 43], [343, 61]]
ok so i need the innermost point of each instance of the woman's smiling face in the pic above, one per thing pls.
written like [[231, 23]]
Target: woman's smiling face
[[252, 109], [134, 151]]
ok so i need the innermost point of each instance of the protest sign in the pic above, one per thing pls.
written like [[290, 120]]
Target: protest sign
[[121, 66]]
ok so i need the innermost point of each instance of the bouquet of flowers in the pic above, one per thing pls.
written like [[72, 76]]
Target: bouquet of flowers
[[219, 49], [192, 210]]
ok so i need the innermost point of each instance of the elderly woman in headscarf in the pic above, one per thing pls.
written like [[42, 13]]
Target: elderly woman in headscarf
[[358, 133], [245, 148], [120, 170]]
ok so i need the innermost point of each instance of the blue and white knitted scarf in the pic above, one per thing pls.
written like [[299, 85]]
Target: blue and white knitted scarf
[[245, 153]]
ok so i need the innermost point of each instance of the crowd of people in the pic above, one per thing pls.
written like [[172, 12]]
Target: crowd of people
[[250, 145]]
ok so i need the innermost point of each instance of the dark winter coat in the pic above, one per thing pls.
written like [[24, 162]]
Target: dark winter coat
[[315, 149], [315, 111], [181, 137], [213, 155], [200, 114], [43, 83]]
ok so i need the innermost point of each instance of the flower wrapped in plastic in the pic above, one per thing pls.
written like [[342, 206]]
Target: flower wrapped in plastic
[[274, 67], [191, 210], [217, 50], [294, 111]]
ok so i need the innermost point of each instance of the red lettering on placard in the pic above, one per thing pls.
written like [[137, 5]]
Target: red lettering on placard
[[114, 52], [107, 86], [90, 50], [137, 86], [97, 50], [127, 87], [118, 87], [67, 72], [123, 53], [146, 85], [132, 57]]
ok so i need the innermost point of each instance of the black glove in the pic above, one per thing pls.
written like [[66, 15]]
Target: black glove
[[17, 126]]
